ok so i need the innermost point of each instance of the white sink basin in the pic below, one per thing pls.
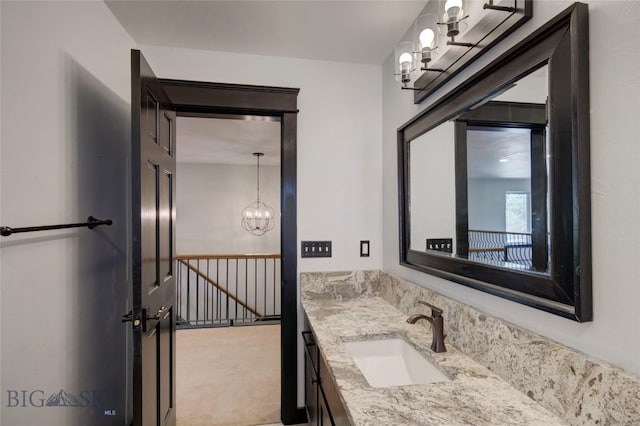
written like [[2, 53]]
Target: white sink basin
[[393, 362]]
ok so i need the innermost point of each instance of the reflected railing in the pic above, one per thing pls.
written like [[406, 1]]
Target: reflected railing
[[498, 247]]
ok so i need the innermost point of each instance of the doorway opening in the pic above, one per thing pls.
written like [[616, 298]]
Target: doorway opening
[[228, 275], [198, 99]]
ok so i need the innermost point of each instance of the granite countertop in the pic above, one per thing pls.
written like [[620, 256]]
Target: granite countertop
[[474, 396]]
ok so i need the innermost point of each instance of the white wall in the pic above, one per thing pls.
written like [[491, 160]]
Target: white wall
[[339, 134], [433, 186], [65, 141], [65, 105], [210, 198], [487, 201], [339, 139], [614, 334]]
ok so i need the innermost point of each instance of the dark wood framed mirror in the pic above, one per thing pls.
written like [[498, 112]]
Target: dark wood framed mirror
[[494, 180]]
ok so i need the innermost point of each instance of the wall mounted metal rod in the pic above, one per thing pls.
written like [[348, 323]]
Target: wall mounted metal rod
[[491, 6], [91, 223]]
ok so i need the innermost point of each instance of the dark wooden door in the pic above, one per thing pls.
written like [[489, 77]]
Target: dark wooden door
[[153, 247]]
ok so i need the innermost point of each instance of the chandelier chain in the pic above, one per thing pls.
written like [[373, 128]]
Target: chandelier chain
[[258, 174]]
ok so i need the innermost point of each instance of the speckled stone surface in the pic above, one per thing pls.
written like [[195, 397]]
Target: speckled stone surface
[[575, 387], [475, 396], [339, 285], [528, 379]]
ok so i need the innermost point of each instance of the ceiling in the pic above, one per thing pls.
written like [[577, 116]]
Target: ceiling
[[532, 88], [486, 149], [344, 31], [228, 141]]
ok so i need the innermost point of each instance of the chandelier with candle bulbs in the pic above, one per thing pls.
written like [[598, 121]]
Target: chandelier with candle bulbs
[[257, 217]]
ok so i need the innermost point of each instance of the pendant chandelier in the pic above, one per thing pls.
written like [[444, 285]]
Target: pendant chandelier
[[257, 217]]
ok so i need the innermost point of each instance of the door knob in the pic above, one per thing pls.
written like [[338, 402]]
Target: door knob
[[142, 320], [130, 318], [158, 314]]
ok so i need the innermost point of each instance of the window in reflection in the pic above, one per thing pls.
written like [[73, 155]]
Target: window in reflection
[[517, 211]]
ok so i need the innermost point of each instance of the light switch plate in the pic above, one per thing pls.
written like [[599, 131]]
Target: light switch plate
[[364, 248], [315, 248], [440, 244]]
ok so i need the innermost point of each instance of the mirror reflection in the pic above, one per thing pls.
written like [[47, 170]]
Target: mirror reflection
[[432, 189], [479, 186]]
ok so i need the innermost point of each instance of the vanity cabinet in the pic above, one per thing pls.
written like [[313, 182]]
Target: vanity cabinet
[[321, 395], [310, 377]]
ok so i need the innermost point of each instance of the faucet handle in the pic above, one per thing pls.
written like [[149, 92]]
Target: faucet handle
[[435, 311]]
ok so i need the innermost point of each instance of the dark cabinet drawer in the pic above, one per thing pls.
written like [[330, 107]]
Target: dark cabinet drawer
[[311, 381], [324, 413], [332, 397], [322, 400]]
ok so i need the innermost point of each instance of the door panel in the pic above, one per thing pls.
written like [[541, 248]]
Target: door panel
[[153, 248], [166, 363], [166, 225], [148, 407], [151, 113], [150, 223], [166, 127]]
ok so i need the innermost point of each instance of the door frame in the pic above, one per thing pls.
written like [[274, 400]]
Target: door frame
[[204, 99]]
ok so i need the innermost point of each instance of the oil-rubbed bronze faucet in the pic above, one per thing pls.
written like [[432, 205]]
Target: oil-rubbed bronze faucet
[[437, 326]]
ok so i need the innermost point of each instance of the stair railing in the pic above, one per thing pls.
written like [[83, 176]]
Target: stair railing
[[500, 246], [227, 289]]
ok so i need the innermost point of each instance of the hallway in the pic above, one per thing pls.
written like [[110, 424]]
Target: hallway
[[228, 376]]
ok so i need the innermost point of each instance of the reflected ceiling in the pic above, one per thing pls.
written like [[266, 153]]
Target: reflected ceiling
[[504, 154]]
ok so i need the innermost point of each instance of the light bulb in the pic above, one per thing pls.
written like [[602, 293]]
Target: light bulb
[[405, 63], [452, 8], [405, 59], [426, 37]]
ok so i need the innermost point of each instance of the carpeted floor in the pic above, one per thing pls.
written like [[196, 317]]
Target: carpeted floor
[[228, 376]]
